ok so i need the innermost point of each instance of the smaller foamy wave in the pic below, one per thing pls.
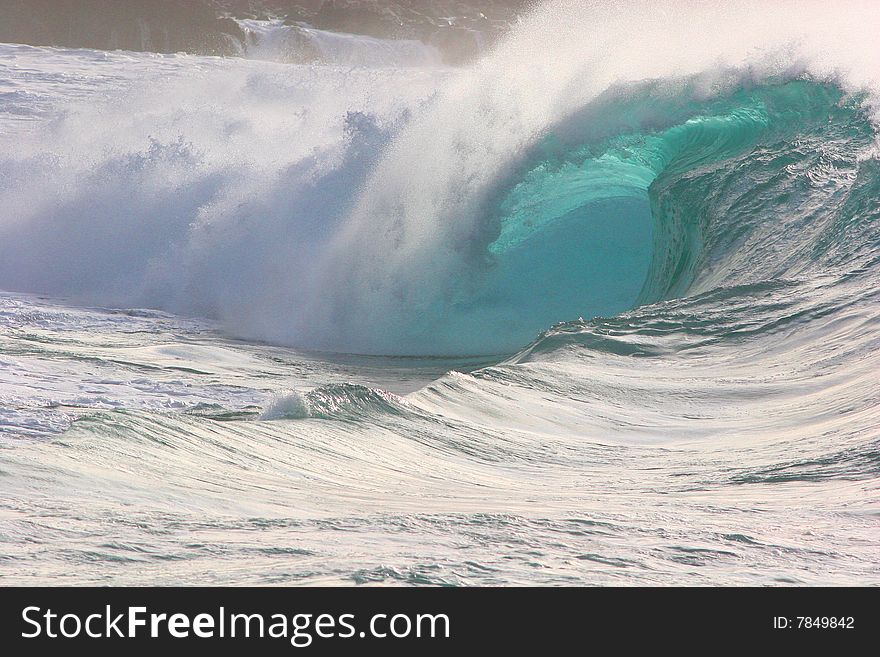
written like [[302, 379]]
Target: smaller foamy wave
[[273, 40], [286, 405], [342, 401]]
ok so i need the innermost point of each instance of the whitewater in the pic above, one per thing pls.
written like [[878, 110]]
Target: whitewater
[[600, 307]]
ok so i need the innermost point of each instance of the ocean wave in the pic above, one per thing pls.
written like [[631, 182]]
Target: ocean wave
[[662, 226], [468, 210]]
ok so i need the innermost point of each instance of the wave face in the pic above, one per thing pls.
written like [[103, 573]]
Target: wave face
[[650, 238]]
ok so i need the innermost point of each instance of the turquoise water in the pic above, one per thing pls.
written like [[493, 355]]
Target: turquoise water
[[605, 223], [638, 198]]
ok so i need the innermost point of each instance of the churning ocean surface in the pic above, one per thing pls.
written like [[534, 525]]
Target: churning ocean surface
[[601, 306]]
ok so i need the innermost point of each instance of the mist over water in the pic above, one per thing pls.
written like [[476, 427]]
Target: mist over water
[[644, 239]]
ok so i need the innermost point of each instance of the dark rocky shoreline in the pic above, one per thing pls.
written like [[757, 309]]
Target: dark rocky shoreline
[[458, 29]]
